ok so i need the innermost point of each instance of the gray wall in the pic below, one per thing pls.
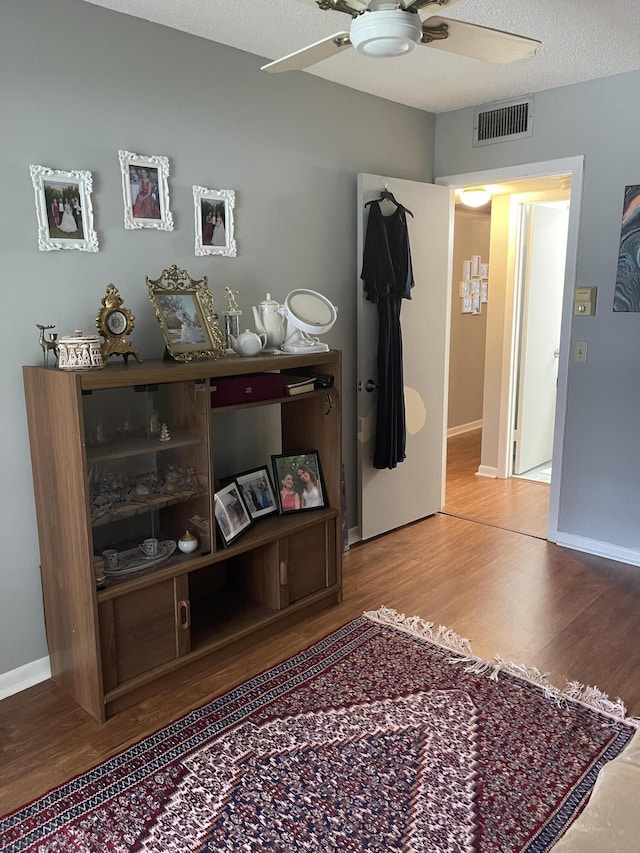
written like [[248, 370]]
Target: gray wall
[[600, 119], [78, 84]]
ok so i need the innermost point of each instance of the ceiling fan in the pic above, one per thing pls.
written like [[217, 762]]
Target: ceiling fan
[[383, 28]]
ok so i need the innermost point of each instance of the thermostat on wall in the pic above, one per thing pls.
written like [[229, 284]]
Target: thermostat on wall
[[584, 302]]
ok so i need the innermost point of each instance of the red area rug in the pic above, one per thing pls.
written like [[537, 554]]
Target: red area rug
[[388, 735]]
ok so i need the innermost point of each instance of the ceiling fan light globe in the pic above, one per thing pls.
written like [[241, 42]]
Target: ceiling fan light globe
[[385, 33]]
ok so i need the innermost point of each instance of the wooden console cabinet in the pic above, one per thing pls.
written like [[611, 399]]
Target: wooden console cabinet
[[106, 477]]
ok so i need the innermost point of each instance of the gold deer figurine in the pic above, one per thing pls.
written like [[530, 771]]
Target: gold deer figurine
[[47, 344]]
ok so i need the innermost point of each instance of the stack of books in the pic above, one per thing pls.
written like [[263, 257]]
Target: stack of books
[[298, 384]]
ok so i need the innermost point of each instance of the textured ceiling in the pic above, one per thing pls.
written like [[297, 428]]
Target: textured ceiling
[[581, 40]]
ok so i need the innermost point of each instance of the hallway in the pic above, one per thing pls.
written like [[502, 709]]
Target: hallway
[[514, 504]]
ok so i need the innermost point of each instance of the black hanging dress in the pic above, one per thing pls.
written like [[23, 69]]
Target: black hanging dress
[[388, 278]]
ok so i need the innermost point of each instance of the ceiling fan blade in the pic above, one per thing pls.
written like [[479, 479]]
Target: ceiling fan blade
[[311, 54], [351, 7], [477, 42], [416, 5]]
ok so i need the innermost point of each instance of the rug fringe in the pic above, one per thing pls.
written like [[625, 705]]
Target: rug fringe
[[573, 691]]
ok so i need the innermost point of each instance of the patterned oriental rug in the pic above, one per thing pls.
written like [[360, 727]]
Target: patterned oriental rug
[[388, 735]]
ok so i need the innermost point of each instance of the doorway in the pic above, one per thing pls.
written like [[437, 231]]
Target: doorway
[[512, 190]]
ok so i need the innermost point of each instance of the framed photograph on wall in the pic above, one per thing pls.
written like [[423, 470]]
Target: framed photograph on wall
[[64, 209], [298, 481], [467, 305], [465, 288], [184, 309], [145, 189], [214, 223], [232, 515], [258, 492]]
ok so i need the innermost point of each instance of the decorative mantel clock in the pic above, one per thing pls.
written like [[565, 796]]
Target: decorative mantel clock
[[114, 324]]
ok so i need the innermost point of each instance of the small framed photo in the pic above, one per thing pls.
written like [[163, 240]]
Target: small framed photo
[[184, 309], [298, 481], [214, 222], [145, 188], [476, 305], [475, 265], [64, 210], [465, 288], [484, 290], [484, 270], [475, 286], [467, 305], [232, 515], [258, 493], [466, 270]]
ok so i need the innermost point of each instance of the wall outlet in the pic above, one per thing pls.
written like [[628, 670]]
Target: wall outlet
[[580, 351]]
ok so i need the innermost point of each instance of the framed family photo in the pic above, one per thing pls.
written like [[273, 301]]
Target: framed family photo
[[257, 491], [232, 515], [214, 222], [64, 209], [184, 310], [145, 189], [298, 482]]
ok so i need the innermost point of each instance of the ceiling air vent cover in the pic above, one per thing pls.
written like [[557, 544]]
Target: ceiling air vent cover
[[502, 121]]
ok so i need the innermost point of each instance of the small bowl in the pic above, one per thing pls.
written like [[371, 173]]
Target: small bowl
[[187, 543]]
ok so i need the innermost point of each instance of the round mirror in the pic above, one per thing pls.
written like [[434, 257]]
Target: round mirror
[[311, 311], [307, 313]]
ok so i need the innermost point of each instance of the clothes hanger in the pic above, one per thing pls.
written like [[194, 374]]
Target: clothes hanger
[[387, 195]]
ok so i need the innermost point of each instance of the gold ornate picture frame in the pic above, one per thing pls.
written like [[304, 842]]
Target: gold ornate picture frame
[[184, 309]]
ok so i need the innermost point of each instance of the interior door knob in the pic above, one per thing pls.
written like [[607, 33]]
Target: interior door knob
[[370, 385]]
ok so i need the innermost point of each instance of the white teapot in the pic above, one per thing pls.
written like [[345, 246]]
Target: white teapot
[[269, 317], [248, 343]]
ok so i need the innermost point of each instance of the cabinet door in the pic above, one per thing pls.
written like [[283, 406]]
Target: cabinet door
[[147, 472], [143, 630], [305, 560]]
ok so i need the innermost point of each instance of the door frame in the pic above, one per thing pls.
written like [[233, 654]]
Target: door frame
[[573, 166]]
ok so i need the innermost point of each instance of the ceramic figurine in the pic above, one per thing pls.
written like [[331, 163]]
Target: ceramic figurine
[[48, 344]]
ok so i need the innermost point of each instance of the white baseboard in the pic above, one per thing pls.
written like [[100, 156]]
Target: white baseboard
[[599, 549], [487, 471], [354, 535], [462, 428], [24, 676]]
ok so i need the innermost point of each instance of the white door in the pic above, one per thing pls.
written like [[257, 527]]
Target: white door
[[540, 341], [392, 497]]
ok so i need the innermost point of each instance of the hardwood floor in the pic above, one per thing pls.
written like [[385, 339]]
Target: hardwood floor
[[574, 615], [514, 504]]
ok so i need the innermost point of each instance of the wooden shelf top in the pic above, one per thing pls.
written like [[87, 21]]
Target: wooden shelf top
[[119, 374]]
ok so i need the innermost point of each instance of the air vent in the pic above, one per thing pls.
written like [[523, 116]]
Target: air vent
[[506, 120]]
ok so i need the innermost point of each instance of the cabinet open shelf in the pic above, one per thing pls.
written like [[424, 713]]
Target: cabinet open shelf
[[141, 446]]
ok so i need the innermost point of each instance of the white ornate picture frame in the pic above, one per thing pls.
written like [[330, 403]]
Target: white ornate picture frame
[[214, 210], [145, 189], [64, 209]]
